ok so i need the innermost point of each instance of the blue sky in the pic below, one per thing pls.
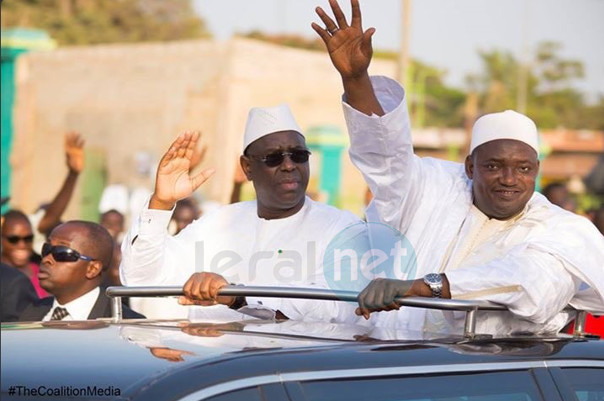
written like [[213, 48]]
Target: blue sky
[[444, 33]]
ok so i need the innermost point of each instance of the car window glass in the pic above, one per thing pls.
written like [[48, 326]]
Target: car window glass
[[499, 386], [587, 384]]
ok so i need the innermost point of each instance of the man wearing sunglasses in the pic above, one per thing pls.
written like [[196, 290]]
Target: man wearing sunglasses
[[73, 259], [17, 247], [276, 240]]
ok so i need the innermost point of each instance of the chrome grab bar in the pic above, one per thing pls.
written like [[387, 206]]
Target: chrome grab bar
[[468, 306]]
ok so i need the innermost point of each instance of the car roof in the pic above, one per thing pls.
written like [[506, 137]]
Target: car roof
[[168, 359], [129, 355], [121, 354]]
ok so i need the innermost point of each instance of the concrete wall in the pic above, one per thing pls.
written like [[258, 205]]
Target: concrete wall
[[126, 99]]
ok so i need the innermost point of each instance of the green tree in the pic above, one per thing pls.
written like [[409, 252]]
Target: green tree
[[434, 103], [552, 101], [79, 22], [555, 73], [593, 115], [499, 81], [556, 103]]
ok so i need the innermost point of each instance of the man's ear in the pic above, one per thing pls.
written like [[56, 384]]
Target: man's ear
[[469, 164], [94, 269], [246, 166]]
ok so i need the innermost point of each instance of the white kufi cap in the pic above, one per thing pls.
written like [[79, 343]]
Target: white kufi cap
[[262, 121], [505, 125]]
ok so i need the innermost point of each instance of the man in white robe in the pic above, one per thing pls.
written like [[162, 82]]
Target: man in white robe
[[478, 229], [277, 240]]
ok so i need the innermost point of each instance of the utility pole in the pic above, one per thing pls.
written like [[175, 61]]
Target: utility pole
[[403, 74], [523, 65]]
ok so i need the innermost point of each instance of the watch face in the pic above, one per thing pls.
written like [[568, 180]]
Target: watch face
[[433, 278]]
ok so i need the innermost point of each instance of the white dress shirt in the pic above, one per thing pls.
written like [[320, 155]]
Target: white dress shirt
[[79, 308]]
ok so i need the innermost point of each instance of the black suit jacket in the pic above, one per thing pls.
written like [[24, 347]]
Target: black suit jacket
[[16, 293], [101, 308]]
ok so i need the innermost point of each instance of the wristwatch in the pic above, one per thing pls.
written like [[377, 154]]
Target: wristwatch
[[435, 282]]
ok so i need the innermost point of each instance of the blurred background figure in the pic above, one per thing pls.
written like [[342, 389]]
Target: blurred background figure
[[17, 247], [116, 198], [558, 194], [186, 211], [114, 222], [49, 215], [598, 219]]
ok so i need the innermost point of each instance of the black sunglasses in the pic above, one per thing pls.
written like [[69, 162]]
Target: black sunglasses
[[275, 159], [61, 253], [14, 239]]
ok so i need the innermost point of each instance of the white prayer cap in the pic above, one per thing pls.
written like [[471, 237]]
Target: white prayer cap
[[262, 121], [114, 197], [505, 125]]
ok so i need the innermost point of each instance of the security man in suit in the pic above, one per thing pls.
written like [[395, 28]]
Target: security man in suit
[[72, 262]]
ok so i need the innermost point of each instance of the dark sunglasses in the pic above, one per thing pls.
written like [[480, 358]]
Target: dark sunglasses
[[275, 159], [14, 239], [61, 253]]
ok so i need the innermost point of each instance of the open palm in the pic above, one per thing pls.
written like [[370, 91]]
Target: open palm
[[174, 180], [349, 47]]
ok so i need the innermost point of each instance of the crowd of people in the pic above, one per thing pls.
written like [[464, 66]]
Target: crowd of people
[[479, 229]]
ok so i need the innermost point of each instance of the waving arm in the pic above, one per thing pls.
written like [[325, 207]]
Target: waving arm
[[350, 51]]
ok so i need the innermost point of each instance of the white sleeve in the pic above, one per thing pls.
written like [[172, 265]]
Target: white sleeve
[[381, 148], [150, 256], [533, 284]]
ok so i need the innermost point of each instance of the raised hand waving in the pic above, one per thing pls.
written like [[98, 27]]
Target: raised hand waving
[[349, 47], [174, 180]]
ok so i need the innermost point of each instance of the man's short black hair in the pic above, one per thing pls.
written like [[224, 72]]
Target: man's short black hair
[[15, 215], [99, 243]]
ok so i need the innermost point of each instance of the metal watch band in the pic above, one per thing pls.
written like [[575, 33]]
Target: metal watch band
[[434, 281]]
